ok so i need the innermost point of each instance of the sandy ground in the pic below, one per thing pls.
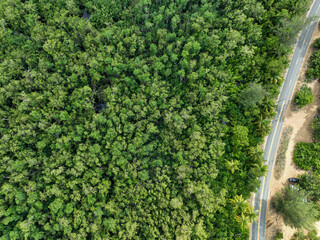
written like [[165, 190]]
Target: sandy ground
[[301, 121], [318, 226]]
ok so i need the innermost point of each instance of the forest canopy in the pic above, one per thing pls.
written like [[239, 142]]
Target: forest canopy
[[137, 119]]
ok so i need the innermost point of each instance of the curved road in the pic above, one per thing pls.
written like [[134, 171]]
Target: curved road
[[262, 195]]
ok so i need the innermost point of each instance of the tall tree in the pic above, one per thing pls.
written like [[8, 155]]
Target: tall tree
[[297, 210]]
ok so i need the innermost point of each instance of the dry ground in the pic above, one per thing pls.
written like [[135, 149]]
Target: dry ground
[[301, 121], [318, 226]]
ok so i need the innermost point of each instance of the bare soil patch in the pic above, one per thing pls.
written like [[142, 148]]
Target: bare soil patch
[[300, 120], [318, 227]]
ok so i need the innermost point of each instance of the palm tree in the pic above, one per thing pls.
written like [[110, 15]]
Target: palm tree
[[268, 107], [243, 220], [232, 165], [255, 152], [251, 214], [275, 78], [239, 203], [247, 214], [259, 122], [263, 125]]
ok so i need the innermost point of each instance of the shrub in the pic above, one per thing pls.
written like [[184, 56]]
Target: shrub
[[304, 155], [279, 236], [316, 128], [314, 67], [304, 96], [307, 157], [317, 43]]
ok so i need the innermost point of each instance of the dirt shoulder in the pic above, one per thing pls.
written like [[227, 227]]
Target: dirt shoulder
[[301, 121]]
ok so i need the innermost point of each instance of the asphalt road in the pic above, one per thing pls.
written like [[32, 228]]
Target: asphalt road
[[262, 195]]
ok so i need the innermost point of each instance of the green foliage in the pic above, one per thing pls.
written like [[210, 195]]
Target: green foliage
[[313, 71], [306, 156], [299, 235], [317, 43], [279, 236], [304, 96], [240, 136], [316, 128], [297, 210], [289, 29], [119, 126], [242, 210], [252, 95], [311, 235], [311, 183], [232, 165]]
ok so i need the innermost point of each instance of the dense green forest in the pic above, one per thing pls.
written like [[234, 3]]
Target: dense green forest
[[137, 119]]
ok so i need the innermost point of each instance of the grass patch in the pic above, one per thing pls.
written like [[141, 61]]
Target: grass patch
[[281, 153]]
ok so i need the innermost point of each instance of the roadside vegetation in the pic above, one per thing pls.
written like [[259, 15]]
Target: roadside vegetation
[[278, 236], [313, 71], [299, 203], [295, 208], [280, 162], [311, 235], [304, 96], [137, 119], [306, 155], [316, 126]]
